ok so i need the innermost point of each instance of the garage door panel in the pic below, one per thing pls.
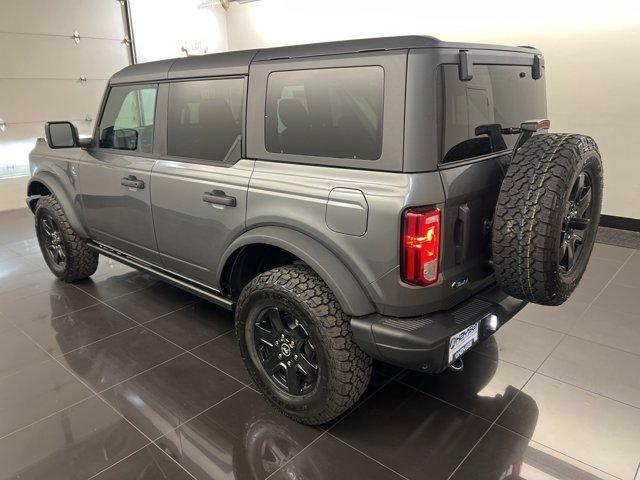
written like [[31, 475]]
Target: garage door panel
[[21, 132], [59, 57], [91, 18], [41, 100]]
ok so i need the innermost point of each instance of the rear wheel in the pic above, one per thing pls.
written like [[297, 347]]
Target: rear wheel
[[65, 252], [546, 217], [296, 343]]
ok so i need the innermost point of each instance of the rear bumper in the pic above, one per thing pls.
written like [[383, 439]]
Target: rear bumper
[[422, 343]]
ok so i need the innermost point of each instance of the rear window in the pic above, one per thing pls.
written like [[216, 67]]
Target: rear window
[[472, 113], [331, 112]]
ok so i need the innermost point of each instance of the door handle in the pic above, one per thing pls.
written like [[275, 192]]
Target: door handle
[[218, 197], [132, 182]]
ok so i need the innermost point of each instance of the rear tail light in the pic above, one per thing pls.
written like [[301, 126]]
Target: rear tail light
[[420, 245]]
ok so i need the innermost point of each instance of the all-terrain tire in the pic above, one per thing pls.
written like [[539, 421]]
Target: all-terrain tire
[[344, 370], [81, 261], [536, 201]]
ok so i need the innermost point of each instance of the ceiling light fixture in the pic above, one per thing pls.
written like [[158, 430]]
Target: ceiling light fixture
[[225, 3]]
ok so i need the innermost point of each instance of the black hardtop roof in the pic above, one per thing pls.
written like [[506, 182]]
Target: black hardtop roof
[[238, 62]]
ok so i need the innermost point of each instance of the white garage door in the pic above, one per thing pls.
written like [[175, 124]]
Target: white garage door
[[46, 74]]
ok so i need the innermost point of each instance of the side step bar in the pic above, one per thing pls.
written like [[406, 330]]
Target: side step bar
[[202, 291]]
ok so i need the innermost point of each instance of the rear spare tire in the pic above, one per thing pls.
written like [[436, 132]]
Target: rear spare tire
[[546, 217]]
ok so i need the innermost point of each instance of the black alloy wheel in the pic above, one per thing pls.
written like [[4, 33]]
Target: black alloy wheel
[[576, 221], [285, 351], [53, 240]]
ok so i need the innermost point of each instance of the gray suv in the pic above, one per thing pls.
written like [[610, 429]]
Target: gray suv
[[384, 198]]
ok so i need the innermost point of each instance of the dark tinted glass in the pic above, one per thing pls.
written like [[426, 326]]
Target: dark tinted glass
[[332, 112], [473, 112], [127, 121], [204, 119]]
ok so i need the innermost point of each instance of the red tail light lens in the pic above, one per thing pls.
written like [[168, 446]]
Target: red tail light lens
[[421, 246]]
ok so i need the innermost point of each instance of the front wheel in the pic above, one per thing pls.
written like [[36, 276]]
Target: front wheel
[[297, 345], [66, 253]]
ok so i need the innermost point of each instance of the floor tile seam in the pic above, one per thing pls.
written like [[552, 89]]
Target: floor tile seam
[[595, 298], [142, 324], [57, 355], [495, 421], [587, 390], [322, 433], [49, 415], [149, 440], [153, 445], [19, 322], [367, 456], [181, 424], [184, 350], [110, 299], [609, 259], [119, 461], [365, 399], [89, 386], [20, 370], [622, 284], [202, 344], [605, 345], [218, 368], [487, 356], [184, 307], [99, 396], [588, 306], [530, 439], [573, 335]]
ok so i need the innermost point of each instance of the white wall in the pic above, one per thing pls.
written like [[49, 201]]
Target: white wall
[[591, 53], [40, 70], [166, 28], [13, 192]]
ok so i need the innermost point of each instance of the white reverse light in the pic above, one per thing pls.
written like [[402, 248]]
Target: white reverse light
[[492, 323]]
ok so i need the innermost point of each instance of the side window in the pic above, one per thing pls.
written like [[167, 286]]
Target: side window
[[475, 112], [128, 118], [330, 112], [205, 119]]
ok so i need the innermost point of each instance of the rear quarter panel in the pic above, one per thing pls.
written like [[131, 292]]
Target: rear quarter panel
[[296, 197]]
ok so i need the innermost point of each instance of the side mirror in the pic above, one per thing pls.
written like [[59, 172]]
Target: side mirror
[[120, 139], [126, 139], [61, 135]]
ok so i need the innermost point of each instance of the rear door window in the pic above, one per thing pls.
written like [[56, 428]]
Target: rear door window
[[330, 112], [473, 112], [204, 119], [128, 118]]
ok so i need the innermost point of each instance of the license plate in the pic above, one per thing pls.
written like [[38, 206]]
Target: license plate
[[463, 341]]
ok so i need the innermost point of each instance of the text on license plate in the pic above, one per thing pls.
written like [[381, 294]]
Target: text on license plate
[[463, 341]]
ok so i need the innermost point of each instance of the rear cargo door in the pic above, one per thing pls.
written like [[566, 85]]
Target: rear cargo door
[[474, 157]]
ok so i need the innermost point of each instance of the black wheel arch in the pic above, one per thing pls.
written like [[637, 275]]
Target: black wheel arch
[[276, 246], [45, 183]]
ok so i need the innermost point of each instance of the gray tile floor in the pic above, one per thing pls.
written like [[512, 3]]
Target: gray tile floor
[[124, 377]]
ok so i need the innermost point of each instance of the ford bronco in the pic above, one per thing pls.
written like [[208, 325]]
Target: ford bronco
[[393, 198]]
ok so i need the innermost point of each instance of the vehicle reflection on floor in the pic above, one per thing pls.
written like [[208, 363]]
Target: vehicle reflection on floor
[[240, 436]]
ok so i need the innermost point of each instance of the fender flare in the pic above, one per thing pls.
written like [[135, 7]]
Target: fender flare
[[348, 291], [56, 188]]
